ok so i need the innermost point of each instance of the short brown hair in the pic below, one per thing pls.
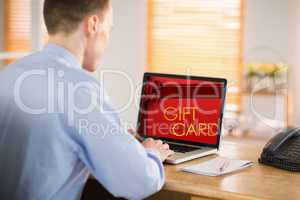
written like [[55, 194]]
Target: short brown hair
[[65, 15]]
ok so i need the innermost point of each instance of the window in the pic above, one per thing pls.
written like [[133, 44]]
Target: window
[[24, 30], [198, 37], [17, 31]]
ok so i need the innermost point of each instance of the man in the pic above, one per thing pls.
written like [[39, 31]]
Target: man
[[56, 127]]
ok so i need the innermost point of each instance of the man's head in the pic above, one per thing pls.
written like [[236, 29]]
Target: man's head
[[89, 22]]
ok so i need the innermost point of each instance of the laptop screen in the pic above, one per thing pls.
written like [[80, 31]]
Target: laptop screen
[[182, 108]]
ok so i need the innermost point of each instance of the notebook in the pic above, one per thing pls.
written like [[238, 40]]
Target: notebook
[[218, 166]]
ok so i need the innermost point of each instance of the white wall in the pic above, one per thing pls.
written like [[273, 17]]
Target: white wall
[[268, 31], [126, 53], [270, 38], [295, 71]]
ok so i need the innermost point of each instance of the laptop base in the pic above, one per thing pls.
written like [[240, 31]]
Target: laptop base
[[178, 158]]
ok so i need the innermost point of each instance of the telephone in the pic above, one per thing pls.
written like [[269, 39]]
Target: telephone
[[283, 150]]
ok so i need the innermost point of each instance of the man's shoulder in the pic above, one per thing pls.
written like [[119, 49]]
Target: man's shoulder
[[42, 63]]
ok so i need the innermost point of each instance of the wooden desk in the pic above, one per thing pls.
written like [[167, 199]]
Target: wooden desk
[[257, 182]]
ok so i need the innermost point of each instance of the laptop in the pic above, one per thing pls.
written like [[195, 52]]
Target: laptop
[[183, 111]]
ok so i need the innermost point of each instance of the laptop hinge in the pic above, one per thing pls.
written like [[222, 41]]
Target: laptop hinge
[[182, 144]]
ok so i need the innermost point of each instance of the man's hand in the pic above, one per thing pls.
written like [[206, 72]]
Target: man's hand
[[157, 145]]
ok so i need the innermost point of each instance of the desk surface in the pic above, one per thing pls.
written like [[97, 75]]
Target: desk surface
[[257, 182]]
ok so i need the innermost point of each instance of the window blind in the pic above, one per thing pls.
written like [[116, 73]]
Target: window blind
[[17, 22], [197, 37]]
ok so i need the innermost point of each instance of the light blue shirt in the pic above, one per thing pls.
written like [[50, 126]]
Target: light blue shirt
[[57, 128]]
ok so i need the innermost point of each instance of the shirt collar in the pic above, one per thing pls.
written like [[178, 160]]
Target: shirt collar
[[62, 55]]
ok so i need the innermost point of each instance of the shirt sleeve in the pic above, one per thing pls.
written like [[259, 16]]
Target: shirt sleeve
[[117, 160]]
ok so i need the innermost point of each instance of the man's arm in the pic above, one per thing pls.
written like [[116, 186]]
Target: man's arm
[[114, 157]]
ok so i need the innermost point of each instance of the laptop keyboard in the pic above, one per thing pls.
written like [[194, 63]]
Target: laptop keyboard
[[181, 148]]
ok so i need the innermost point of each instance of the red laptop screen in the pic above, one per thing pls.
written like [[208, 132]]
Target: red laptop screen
[[178, 108]]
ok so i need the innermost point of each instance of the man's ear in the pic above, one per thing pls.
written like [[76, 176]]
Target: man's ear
[[92, 25]]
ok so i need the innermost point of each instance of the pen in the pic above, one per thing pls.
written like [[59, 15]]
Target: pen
[[224, 165]]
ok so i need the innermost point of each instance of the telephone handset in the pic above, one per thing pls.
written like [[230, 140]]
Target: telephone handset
[[283, 150]]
